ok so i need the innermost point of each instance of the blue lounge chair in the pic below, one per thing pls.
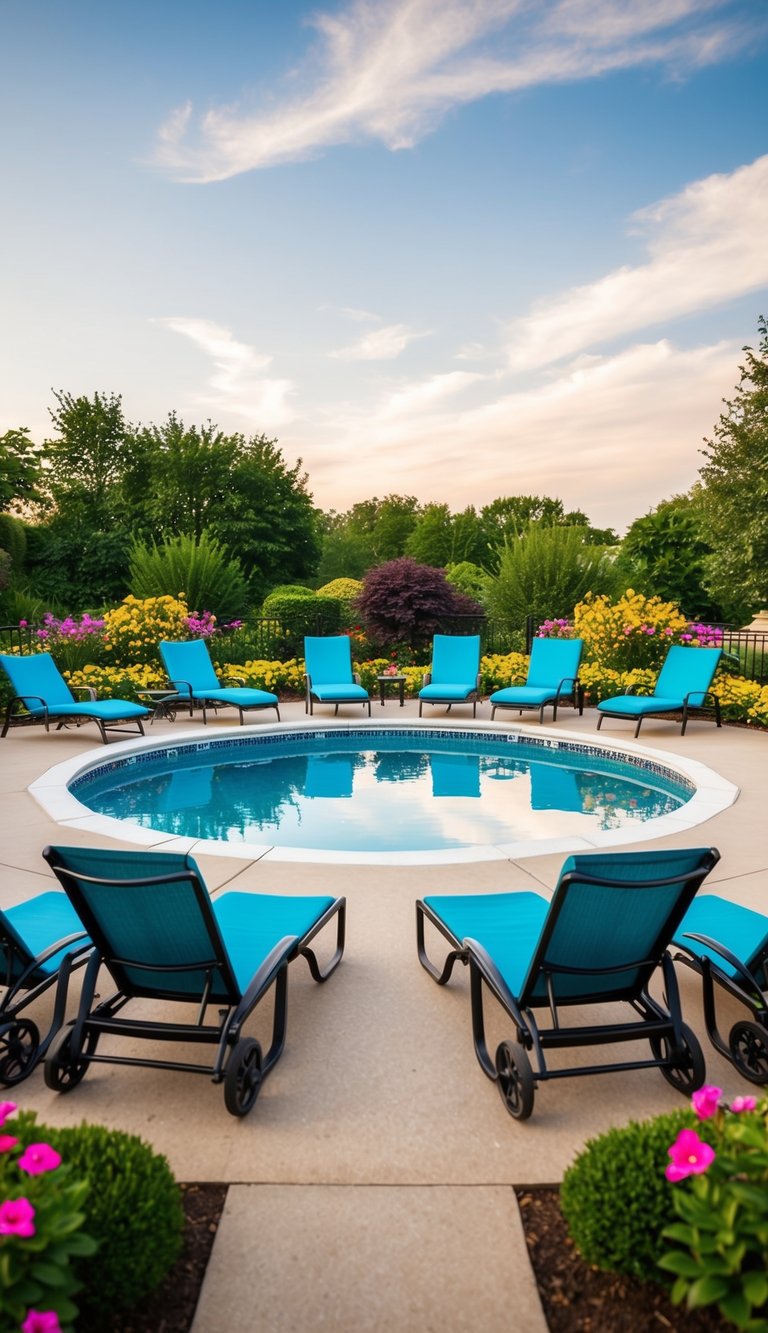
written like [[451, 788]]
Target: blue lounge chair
[[328, 675], [159, 935], [42, 691], [41, 941], [553, 676], [727, 944], [600, 940], [191, 675], [455, 674], [682, 687]]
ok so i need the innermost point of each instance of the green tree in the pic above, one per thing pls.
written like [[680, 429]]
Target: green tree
[[20, 468], [508, 517], [544, 573], [189, 471], [664, 554], [87, 459], [395, 520], [734, 495], [442, 538]]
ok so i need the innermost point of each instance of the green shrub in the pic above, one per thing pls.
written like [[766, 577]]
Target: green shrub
[[308, 614], [287, 590], [13, 539], [201, 571], [545, 572], [133, 1210], [616, 1199]]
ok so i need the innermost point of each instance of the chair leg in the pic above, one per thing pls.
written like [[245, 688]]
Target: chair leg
[[277, 710], [639, 724], [600, 721]]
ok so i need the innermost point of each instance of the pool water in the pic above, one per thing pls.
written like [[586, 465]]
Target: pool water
[[381, 791]]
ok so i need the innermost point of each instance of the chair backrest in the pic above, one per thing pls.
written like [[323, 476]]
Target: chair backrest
[[455, 659], [687, 670], [609, 922], [15, 956], [553, 660], [150, 917], [189, 661], [328, 659], [36, 675]]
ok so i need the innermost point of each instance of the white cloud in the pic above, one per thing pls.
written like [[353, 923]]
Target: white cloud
[[706, 246], [380, 345], [388, 70], [238, 384]]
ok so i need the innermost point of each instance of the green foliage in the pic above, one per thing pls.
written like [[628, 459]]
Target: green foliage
[[367, 534], [20, 469], [38, 1272], [470, 580], [440, 538], [734, 496], [133, 1210], [290, 590], [198, 567], [345, 589], [71, 564], [665, 554], [545, 572], [310, 614], [720, 1251], [13, 539], [6, 567], [615, 1198]]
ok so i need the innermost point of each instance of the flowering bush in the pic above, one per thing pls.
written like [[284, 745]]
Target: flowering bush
[[555, 629], [720, 1251], [119, 682], [40, 1229], [72, 642], [134, 629], [636, 631]]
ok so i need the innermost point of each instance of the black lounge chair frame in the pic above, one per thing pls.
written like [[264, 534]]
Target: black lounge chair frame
[[709, 701], [190, 700], [238, 1061], [568, 689], [675, 1049], [747, 1044], [310, 698], [26, 719], [21, 1046]]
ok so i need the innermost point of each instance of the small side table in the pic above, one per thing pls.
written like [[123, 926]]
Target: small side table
[[392, 680], [164, 704]]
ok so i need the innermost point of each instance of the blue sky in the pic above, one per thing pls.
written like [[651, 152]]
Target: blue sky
[[448, 248]]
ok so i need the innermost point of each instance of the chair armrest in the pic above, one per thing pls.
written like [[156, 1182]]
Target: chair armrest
[[85, 689], [481, 959], [176, 686], [234, 680], [703, 695], [743, 972], [426, 678], [571, 681], [21, 699], [356, 677]]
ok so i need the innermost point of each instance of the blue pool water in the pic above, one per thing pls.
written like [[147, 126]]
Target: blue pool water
[[380, 791]]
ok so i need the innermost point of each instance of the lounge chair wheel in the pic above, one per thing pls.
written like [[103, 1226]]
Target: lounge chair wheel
[[242, 1080], [748, 1044], [19, 1044], [687, 1075], [64, 1068], [514, 1079]]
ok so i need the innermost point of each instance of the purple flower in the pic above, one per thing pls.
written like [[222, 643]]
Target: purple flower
[[16, 1218], [690, 1156], [39, 1157], [740, 1104], [41, 1321], [7, 1141], [6, 1109], [706, 1101]]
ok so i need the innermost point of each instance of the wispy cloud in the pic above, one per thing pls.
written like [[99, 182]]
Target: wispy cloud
[[389, 70], [382, 344], [706, 245], [237, 382]]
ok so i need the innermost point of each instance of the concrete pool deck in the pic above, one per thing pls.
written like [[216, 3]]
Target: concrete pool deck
[[371, 1185]]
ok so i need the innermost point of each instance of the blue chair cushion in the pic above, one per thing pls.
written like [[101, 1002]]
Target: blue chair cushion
[[251, 924], [108, 710], [447, 691], [238, 697], [636, 705], [339, 693], [523, 696], [43, 920], [508, 925], [742, 931]]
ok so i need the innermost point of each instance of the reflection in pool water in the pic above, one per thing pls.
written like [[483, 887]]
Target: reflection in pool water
[[381, 791]]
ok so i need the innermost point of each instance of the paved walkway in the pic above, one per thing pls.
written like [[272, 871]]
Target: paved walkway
[[372, 1183]]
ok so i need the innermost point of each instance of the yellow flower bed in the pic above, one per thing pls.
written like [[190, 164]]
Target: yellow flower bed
[[635, 631], [113, 682], [133, 630]]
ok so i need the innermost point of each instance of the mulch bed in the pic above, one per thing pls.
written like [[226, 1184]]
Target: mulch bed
[[577, 1298]]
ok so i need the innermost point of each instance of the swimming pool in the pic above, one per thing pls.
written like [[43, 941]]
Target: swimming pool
[[565, 771]]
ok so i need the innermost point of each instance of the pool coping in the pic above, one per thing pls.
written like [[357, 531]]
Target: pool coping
[[713, 795]]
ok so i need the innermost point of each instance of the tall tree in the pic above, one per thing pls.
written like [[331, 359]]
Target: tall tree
[[19, 469], [734, 496], [88, 457], [664, 553]]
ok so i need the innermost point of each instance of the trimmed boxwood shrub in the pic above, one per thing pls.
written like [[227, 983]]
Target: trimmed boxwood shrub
[[307, 614], [616, 1199], [133, 1209]]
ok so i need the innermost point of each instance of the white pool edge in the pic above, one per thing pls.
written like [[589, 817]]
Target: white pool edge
[[51, 791]]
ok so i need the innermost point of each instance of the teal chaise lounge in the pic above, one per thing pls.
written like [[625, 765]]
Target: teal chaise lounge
[[553, 675], [191, 674], [454, 677], [683, 687], [164, 942], [598, 942], [41, 690], [328, 675]]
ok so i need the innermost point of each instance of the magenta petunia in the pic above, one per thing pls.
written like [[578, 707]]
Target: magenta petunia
[[39, 1157], [706, 1101], [7, 1141], [743, 1104], [16, 1218], [41, 1321], [6, 1109], [690, 1156]]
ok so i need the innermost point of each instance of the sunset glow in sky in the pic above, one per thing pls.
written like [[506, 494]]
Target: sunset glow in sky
[[449, 248]]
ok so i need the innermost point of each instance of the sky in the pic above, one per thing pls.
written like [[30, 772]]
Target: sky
[[455, 249]]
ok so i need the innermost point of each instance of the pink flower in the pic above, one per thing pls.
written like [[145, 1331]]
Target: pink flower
[[41, 1321], [7, 1141], [743, 1104], [690, 1156], [6, 1109], [16, 1218], [39, 1157], [706, 1101]]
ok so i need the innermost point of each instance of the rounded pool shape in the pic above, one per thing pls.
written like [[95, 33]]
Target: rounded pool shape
[[385, 793]]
